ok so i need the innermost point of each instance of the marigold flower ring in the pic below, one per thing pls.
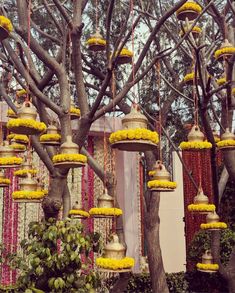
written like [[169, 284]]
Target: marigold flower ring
[[226, 143], [207, 267], [26, 126], [24, 194], [69, 158], [5, 181], [214, 226], [10, 161], [25, 172], [20, 138], [200, 145], [224, 51], [115, 264], [96, 41], [162, 184], [50, 137], [79, 213], [201, 207], [105, 211], [188, 10]]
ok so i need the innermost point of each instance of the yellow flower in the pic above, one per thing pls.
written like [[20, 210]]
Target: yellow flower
[[162, 184], [18, 146], [76, 111], [24, 194], [27, 123], [115, 264], [189, 6], [5, 181], [105, 211], [224, 51], [24, 172], [207, 267], [195, 29], [201, 207], [69, 158], [125, 52], [6, 23], [221, 81], [11, 113], [11, 161], [189, 77], [96, 41], [152, 173], [18, 137], [218, 225], [21, 93], [226, 142], [80, 213], [187, 145], [50, 137]]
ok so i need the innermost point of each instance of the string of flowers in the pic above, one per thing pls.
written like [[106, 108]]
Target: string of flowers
[[69, 157], [115, 264]]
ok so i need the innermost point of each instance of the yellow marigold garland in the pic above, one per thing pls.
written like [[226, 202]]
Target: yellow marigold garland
[[50, 137], [18, 137], [24, 172], [152, 173], [130, 134], [11, 161], [189, 77], [162, 184], [76, 111], [195, 29], [96, 41], [6, 23], [222, 51], [207, 267], [126, 52], [24, 194], [18, 146], [218, 225], [226, 142], [105, 211], [80, 213], [5, 181], [187, 145], [69, 158], [201, 207], [29, 123], [115, 264], [190, 6], [221, 81]]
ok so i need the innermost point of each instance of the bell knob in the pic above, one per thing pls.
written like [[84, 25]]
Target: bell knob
[[134, 119], [195, 134], [201, 198]]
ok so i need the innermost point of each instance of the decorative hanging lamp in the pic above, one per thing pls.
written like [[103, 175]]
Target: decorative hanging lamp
[[225, 51], [207, 265], [28, 192], [52, 137], [69, 156], [18, 138], [4, 182], [96, 42], [134, 137], [75, 112], [189, 10], [26, 169], [201, 203], [18, 147], [124, 57], [105, 207], [195, 31], [227, 141], [114, 259], [8, 158], [26, 122], [161, 179], [195, 140], [77, 212], [213, 222], [5, 27]]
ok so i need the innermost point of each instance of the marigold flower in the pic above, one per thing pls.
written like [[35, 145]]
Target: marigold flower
[[80, 213], [6, 23], [187, 145], [207, 267], [105, 211], [69, 158], [201, 207], [217, 225], [115, 264]]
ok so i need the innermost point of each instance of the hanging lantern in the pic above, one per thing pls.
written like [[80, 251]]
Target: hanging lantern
[[69, 156], [18, 138], [77, 213], [74, 112], [189, 10], [18, 147], [52, 137], [213, 222], [8, 158], [207, 265], [201, 203], [5, 27], [26, 122], [28, 192], [4, 182], [195, 140], [105, 207], [227, 141], [225, 51], [124, 57], [114, 259], [195, 31], [134, 137], [161, 179], [189, 78], [26, 169], [96, 42]]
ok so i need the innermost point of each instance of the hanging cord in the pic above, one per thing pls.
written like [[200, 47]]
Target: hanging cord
[[28, 48], [194, 93], [226, 97], [96, 16], [158, 100], [133, 49]]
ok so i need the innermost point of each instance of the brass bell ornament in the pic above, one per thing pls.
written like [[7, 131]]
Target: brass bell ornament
[[52, 137], [8, 158], [77, 212], [207, 265], [227, 141]]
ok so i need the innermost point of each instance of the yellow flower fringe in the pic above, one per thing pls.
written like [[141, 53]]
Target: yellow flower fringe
[[207, 267], [115, 264], [223, 51], [152, 173], [189, 77], [105, 211], [24, 172], [126, 52], [50, 137], [162, 184], [6, 23], [69, 158], [17, 146], [76, 111], [24, 194], [138, 133], [195, 29], [18, 137], [226, 142], [11, 113], [21, 93], [201, 207], [11, 161], [189, 6], [80, 213], [5, 181], [30, 123], [221, 81], [218, 225], [187, 145], [96, 41]]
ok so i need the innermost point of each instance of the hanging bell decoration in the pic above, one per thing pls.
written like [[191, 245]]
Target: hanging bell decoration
[[8, 158], [26, 168], [201, 203], [77, 212], [225, 51], [18, 147], [18, 138], [4, 182], [189, 10], [96, 42], [213, 222], [207, 265], [52, 137], [134, 137], [227, 141], [161, 179], [124, 57], [195, 31], [75, 112], [69, 156], [5, 27]]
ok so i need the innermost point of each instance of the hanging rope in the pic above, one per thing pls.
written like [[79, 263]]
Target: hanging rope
[[28, 48], [133, 49], [158, 100], [195, 97], [96, 16]]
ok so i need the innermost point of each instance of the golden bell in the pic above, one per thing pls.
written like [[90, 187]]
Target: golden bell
[[28, 184], [6, 150], [52, 129], [134, 119], [27, 111], [227, 135], [114, 249], [212, 218], [201, 198], [105, 200], [226, 44], [195, 134], [161, 172], [69, 147], [207, 257]]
